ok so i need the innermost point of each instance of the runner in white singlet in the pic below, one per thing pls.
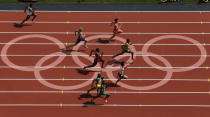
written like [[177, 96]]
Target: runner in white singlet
[[30, 12], [121, 72]]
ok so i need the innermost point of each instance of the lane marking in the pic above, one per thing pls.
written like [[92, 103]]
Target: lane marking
[[108, 55], [105, 105], [68, 11], [115, 44], [108, 33], [76, 67], [79, 79], [95, 22], [112, 92]]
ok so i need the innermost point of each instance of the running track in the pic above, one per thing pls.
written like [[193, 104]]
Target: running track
[[185, 94]]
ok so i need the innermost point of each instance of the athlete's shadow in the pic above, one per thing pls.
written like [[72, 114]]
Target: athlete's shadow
[[68, 52], [84, 71], [113, 61], [111, 84], [16, 25], [91, 102], [104, 40], [85, 95]]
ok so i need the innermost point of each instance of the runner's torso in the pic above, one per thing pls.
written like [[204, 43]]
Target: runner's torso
[[126, 46], [97, 56], [29, 10], [121, 70], [99, 80], [115, 26]]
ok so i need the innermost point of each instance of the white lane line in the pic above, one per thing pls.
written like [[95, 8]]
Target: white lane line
[[135, 44], [109, 33], [112, 92], [106, 105], [79, 79], [76, 67], [67, 11], [73, 22], [34, 55]]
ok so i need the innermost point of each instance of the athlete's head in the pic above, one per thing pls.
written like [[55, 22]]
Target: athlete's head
[[81, 29], [30, 5], [128, 41], [122, 63], [116, 20], [97, 50], [99, 75]]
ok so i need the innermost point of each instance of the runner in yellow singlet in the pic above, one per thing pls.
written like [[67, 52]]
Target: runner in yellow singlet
[[125, 49]]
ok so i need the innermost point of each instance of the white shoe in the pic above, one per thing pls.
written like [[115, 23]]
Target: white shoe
[[106, 100]]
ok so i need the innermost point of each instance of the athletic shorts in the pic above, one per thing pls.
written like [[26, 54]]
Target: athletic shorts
[[116, 31], [98, 85], [80, 39], [127, 50], [120, 75], [104, 93]]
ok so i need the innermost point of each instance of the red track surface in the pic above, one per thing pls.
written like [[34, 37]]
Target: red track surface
[[127, 99]]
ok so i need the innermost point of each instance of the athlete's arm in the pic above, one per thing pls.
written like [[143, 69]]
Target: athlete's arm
[[75, 33], [125, 67], [91, 52], [25, 9], [82, 34], [102, 54], [93, 82], [31, 10], [111, 23]]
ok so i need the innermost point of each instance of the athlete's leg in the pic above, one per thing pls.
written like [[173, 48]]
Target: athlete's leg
[[125, 77], [34, 16], [120, 31], [91, 90], [119, 78], [112, 37], [129, 51], [118, 54], [26, 19], [85, 44], [93, 65], [106, 98], [102, 61], [71, 45]]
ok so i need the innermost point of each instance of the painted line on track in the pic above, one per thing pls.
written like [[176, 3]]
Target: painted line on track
[[110, 33], [67, 11], [113, 92], [76, 67], [34, 55], [79, 79], [105, 105], [74, 22], [135, 44]]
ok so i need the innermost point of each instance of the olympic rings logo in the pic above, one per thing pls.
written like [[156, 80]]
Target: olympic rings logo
[[109, 71]]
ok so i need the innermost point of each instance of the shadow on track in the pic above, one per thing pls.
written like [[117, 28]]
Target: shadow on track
[[16, 25], [104, 41]]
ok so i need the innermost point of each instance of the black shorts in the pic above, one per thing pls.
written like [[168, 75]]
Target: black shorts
[[28, 16], [120, 75], [127, 51]]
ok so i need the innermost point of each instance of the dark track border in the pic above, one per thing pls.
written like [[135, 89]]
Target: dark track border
[[110, 7]]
